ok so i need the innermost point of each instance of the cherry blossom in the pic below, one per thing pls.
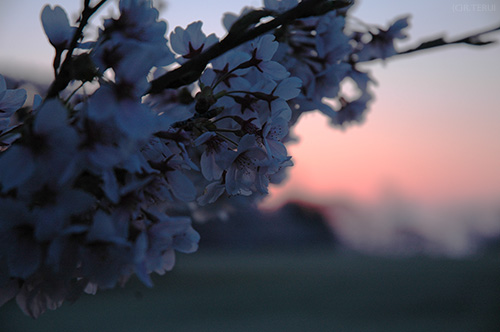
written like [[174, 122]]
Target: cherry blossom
[[98, 186]]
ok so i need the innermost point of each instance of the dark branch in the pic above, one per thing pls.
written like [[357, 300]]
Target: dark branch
[[474, 40], [63, 78], [471, 40], [192, 69]]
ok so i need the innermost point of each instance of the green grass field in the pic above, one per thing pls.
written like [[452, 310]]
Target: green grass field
[[312, 290]]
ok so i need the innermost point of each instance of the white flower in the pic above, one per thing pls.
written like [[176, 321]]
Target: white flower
[[57, 28], [48, 152], [10, 101], [191, 41], [244, 174]]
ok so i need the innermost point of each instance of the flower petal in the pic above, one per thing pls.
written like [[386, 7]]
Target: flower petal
[[56, 25]]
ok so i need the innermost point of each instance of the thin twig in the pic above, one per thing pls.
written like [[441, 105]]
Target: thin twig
[[439, 42], [471, 40], [63, 78]]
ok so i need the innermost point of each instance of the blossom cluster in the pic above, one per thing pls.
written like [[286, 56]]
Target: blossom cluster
[[98, 186]]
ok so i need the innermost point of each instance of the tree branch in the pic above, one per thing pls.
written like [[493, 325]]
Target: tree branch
[[471, 40], [192, 69], [439, 42], [63, 78]]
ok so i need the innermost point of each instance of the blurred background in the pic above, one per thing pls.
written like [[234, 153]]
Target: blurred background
[[392, 225]]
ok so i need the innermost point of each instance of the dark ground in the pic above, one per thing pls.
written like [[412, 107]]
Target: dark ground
[[286, 290]]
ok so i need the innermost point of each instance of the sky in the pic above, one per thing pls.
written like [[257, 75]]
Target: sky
[[433, 132], [432, 135]]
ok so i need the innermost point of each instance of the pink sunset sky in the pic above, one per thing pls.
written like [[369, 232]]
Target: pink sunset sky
[[432, 134]]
